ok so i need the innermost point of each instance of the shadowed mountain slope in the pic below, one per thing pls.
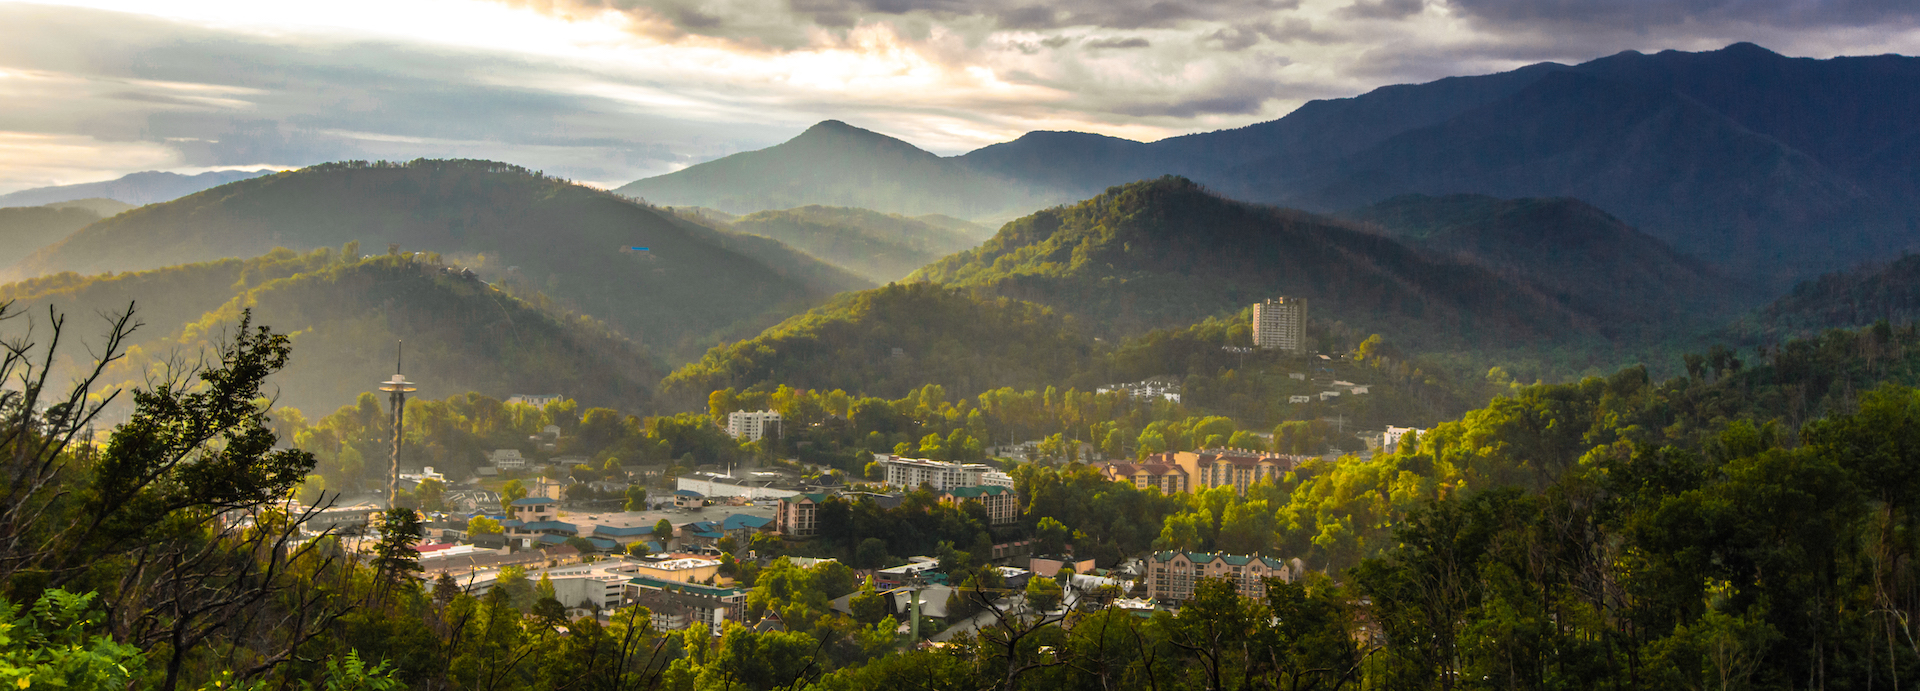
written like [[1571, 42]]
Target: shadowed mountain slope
[[527, 232]]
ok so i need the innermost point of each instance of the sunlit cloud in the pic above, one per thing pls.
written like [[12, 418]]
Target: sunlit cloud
[[612, 90]]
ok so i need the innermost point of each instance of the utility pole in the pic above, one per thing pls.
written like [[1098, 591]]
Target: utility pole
[[396, 389]]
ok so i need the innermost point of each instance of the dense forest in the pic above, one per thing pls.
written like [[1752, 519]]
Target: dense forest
[[346, 316], [880, 247]]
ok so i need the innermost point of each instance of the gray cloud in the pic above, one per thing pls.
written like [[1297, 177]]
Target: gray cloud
[[222, 99], [1117, 42], [1382, 9]]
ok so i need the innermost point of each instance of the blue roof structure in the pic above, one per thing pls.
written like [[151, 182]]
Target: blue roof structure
[[687, 493], [631, 531], [537, 526], [741, 521]]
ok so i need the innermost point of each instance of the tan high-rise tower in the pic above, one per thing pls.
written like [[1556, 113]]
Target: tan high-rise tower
[[1281, 324]]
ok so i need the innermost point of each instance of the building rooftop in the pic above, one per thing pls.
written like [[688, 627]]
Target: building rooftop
[[532, 501]]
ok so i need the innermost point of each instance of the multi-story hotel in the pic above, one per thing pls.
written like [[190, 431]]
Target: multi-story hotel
[[1196, 471], [1172, 576], [1002, 505], [910, 473], [1281, 324], [752, 425]]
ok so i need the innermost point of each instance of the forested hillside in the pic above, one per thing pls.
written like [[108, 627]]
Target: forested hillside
[[461, 335], [1584, 257], [1167, 253], [889, 340], [24, 229], [1843, 299], [524, 231], [879, 247]]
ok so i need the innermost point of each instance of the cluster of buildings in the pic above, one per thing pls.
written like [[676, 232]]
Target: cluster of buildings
[[1164, 388], [1186, 472], [953, 483]]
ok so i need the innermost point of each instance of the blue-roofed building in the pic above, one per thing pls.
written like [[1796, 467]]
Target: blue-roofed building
[[688, 499], [534, 508], [704, 533], [625, 535], [742, 527]]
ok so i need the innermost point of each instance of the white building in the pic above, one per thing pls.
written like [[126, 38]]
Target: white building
[[752, 425], [1391, 440], [507, 459], [910, 473], [537, 400], [1281, 324], [995, 478]]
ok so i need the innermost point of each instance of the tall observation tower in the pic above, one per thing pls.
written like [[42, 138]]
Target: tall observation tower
[[397, 389]]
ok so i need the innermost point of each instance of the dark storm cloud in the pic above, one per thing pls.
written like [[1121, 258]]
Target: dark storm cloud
[[1645, 14]]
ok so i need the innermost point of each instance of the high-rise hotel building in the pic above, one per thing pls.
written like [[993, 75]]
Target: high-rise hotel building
[[1281, 324]]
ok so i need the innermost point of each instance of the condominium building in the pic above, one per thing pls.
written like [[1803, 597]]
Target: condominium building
[[752, 425], [1198, 471], [1281, 324], [1172, 576], [911, 473], [1001, 503], [799, 515]]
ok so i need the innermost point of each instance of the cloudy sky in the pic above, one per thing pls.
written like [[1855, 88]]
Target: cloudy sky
[[607, 91]]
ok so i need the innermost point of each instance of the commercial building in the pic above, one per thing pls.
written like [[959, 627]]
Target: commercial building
[[1172, 576], [1198, 471], [537, 400], [752, 425], [910, 473], [679, 568], [1001, 503], [677, 605], [1281, 324]]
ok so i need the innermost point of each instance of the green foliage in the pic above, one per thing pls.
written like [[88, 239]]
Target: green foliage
[[949, 337], [24, 229], [52, 645], [880, 247]]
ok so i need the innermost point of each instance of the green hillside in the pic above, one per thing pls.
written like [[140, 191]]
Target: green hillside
[[887, 341], [1843, 299], [880, 247], [461, 334], [518, 229], [24, 229], [1166, 253]]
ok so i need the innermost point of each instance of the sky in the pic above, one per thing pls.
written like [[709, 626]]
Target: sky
[[608, 91]]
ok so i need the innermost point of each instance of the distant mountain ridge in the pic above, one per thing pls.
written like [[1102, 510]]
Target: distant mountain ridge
[[527, 232], [1771, 167], [836, 164], [138, 189], [880, 247]]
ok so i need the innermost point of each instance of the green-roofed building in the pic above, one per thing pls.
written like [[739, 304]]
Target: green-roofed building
[[1172, 576]]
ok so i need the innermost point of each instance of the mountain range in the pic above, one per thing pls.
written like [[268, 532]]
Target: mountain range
[[535, 236], [1773, 168], [137, 189], [880, 247], [344, 316]]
